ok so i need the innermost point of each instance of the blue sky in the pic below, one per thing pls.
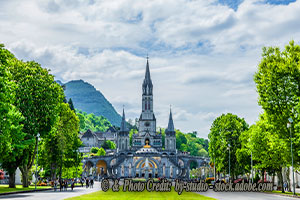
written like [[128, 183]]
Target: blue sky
[[203, 54]]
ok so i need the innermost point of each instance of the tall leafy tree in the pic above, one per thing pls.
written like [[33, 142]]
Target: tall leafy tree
[[37, 98], [269, 151], [224, 134], [278, 85], [60, 147], [11, 136]]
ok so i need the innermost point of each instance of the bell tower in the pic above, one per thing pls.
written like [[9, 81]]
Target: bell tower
[[147, 121]]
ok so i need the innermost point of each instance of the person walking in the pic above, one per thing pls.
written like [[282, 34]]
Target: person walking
[[92, 183], [81, 182], [55, 185], [66, 184], [285, 186], [61, 185], [72, 184], [87, 183]]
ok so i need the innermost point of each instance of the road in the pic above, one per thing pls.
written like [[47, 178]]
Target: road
[[245, 196], [51, 195]]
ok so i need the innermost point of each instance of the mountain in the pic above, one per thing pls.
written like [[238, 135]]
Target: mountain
[[85, 97]]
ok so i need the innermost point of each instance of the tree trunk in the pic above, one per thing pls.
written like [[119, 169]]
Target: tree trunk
[[25, 176], [288, 178], [262, 176], [12, 178], [280, 180]]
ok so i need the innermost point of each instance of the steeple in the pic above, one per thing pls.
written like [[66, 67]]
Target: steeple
[[170, 124], [147, 84], [123, 127]]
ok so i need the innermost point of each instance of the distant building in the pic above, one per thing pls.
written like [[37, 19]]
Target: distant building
[[96, 139]]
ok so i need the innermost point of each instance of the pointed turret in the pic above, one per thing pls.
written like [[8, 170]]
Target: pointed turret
[[123, 135], [170, 139], [170, 124], [123, 127], [147, 84]]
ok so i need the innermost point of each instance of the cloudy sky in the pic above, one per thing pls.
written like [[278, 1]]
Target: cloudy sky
[[203, 53]]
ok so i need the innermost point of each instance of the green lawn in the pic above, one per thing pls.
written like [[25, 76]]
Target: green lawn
[[286, 193], [5, 188], [140, 195]]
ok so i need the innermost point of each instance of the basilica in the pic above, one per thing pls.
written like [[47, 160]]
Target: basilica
[[146, 157]]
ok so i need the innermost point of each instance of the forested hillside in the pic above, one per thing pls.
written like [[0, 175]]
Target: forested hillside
[[85, 97]]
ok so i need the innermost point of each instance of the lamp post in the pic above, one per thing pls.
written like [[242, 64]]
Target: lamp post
[[76, 164], [251, 163], [214, 168], [229, 159], [251, 168], [289, 125], [37, 158]]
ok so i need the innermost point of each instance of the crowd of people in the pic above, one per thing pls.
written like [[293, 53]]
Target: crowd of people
[[63, 184]]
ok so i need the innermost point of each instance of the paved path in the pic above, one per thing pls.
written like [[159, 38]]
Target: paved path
[[245, 196], [51, 195]]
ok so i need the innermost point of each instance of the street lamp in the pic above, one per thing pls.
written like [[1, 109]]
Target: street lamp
[[37, 157], [289, 125], [228, 148], [76, 164], [251, 167], [251, 163], [214, 168]]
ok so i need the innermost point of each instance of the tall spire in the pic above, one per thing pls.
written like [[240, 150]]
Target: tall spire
[[123, 127], [147, 84], [170, 124]]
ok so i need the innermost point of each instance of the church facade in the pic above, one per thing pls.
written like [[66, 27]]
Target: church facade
[[146, 157]]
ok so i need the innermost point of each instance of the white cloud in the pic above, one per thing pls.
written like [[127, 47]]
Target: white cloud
[[202, 54]]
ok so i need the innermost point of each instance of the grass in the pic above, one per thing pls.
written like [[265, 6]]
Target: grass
[[286, 193], [145, 195], [5, 188]]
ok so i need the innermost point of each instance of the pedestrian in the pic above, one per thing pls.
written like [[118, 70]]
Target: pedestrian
[[285, 186], [66, 184], [55, 185], [81, 181], [72, 184], [61, 187], [92, 183], [87, 182]]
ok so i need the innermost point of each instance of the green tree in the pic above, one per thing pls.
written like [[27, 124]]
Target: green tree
[[278, 85], [131, 132], [181, 141], [101, 152], [94, 150], [70, 102], [224, 136], [268, 149], [12, 141], [202, 152], [108, 145], [37, 98], [92, 122]]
